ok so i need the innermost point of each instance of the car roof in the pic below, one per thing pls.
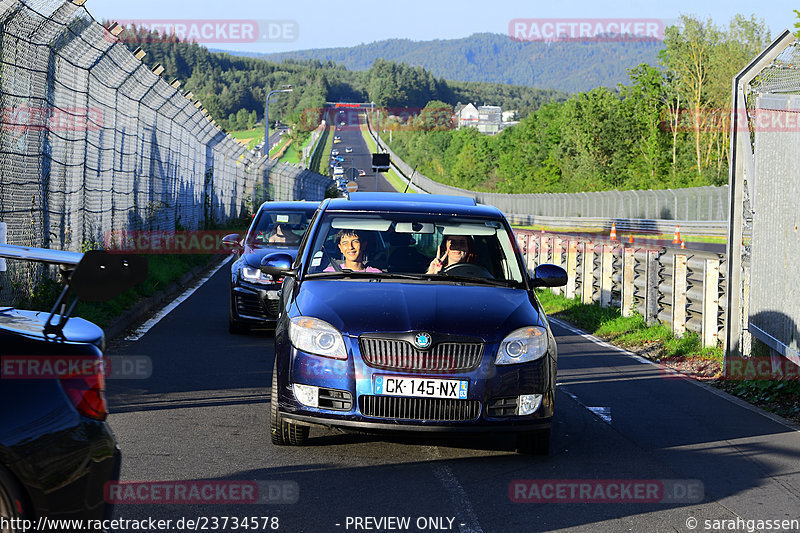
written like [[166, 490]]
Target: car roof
[[412, 203], [300, 205]]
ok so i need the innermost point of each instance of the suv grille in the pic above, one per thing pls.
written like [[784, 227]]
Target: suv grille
[[395, 354], [249, 304], [433, 409]]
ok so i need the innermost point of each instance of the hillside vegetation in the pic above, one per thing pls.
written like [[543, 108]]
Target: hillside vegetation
[[667, 127]]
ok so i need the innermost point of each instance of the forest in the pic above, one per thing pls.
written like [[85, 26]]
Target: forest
[[668, 127], [233, 88]]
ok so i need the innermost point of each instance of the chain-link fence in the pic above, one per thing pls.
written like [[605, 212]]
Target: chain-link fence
[[92, 141], [763, 237]]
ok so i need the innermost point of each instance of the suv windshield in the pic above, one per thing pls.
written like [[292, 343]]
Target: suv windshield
[[282, 228], [414, 244]]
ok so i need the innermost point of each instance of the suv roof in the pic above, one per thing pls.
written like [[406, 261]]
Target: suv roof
[[410, 202]]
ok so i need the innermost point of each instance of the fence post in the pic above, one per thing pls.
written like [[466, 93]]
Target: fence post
[[679, 272], [628, 272], [557, 246], [588, 273], [606, 267], [572, 269], [710, 302], [651, 292], [544, 244]]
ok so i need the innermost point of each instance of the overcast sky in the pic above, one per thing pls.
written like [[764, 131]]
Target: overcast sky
[[305, 24]]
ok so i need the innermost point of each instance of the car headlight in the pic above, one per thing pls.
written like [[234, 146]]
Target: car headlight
[[316, 336], [254, 275], [522, 345]]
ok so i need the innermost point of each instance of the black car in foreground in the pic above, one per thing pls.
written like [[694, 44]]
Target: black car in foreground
[[412, 312], [56, 450], [276, 227]]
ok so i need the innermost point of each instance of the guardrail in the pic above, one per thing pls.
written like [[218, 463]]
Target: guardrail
[[716, 228], [684, 289]]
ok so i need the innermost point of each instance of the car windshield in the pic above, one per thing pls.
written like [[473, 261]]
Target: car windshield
[[407, 245], [282, 228]]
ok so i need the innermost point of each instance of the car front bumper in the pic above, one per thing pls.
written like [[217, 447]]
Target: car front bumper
[[348, 398]]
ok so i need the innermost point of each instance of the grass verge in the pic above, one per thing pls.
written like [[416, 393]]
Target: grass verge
[[685, 354]]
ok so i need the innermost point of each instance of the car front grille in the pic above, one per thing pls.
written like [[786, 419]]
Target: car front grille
[[428, 409], [401, 355], [502, 406], [337, 400], [250, 304]]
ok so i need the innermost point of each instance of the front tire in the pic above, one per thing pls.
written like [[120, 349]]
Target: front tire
[[283, 433]]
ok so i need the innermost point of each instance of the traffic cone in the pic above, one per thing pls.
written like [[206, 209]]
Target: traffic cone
[[676, 239], [613, 231], [683, 245], [630, 239]]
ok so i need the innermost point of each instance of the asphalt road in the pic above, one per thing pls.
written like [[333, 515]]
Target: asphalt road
[[203, 414], [361, 157]]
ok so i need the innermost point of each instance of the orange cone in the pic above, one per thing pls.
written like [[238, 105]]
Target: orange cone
[[613, 231], [683, 245], [676, 238], [630, 239]]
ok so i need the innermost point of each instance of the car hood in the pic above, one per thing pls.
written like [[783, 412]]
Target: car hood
[[356, 307], [253, 254]]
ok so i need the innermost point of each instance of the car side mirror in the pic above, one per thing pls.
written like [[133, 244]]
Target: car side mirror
[[232, 243], [278, 265], [548, 275]]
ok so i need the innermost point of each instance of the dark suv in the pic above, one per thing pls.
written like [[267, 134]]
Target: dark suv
[[276, 227], [413, 313]]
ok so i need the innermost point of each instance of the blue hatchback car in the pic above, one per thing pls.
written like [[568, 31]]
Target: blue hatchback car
[[411, 312]]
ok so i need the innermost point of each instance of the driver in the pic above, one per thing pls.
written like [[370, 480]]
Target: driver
[[454, 249], [282, 234]]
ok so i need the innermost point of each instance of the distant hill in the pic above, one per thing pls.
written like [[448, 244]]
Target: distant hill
[[491, 57]]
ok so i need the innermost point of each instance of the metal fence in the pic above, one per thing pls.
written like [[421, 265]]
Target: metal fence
[[92, 141], [763, 237], [695, 203], [681, 288]]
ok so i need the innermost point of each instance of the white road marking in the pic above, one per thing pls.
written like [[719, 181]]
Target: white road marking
[[468, 521], [144, 328], [603, 412], [722, 394]]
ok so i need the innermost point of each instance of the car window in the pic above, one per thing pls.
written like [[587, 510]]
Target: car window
[[404, 243], [283, 227]]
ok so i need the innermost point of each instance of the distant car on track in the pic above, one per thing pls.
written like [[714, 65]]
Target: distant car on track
[[348, 150]]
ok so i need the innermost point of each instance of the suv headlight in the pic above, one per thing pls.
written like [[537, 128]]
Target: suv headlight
[[254, 275], [316, 336], [522, 345]]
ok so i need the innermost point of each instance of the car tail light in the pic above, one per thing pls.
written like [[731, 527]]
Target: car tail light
[[87, 392]]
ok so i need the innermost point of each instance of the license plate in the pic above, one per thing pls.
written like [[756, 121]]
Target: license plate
[[421, 387]]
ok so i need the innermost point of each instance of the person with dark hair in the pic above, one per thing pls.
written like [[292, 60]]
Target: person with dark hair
[[352, 245], [281, 233], [453, 249]]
